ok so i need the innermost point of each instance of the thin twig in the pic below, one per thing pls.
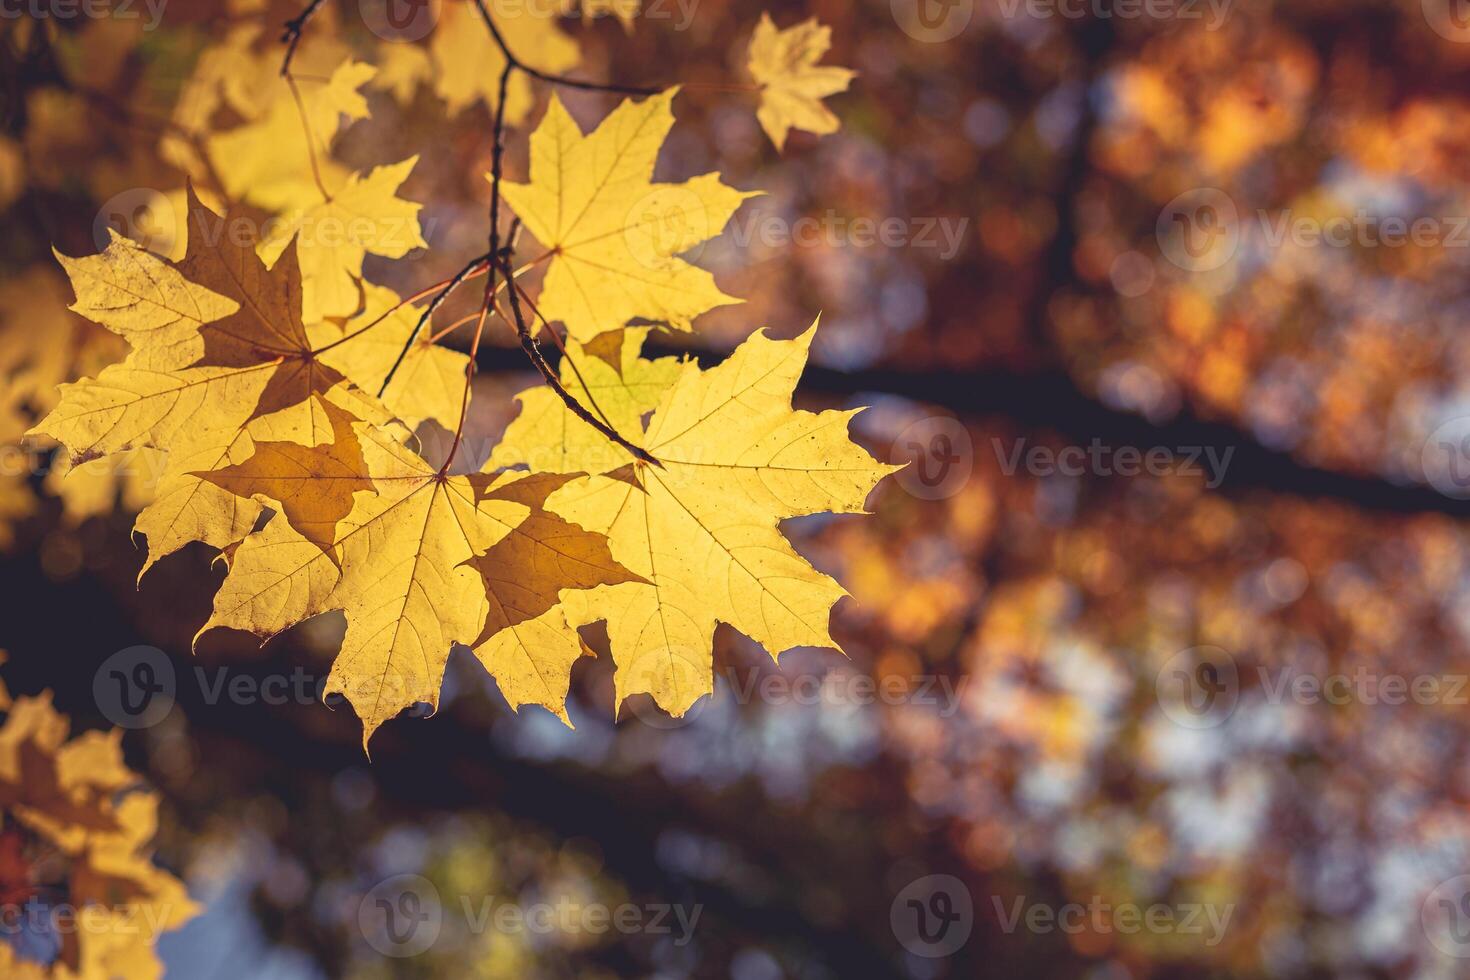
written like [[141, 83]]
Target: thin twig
[[316, 170], [454, 283], [566, 358], [513, 62], [439, 335], [469, 377], [499, 259], [389, 312], [291, 36], [533, 351], [497, 170]]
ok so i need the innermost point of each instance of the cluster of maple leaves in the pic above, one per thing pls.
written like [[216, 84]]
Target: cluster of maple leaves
[[77, 879], [283, 390]]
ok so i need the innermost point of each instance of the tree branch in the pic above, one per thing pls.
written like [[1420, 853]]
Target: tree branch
[[467, 272], [291, 35], [513, 62]]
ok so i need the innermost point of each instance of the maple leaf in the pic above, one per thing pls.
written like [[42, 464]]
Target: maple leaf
[[402, 68], [312, 485], [606, 375], [267, 329], [144, 300], [401, 567], [616, 236], [149, 303], [792, 83], [78, 801], [220, 351], [243, 72], [218, 341], [333, 237], [267, 162], [702, 529], [469, 62], [429, 382], [526, 643]]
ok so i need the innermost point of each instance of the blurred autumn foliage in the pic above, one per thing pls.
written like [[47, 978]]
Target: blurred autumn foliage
[[1247, 233]]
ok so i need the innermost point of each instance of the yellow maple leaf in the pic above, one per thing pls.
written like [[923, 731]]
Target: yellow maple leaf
[[703, 529], [616, 236], [402, 68], [313, 486], [401, 565], [144, 300], [267, 331], [612, 381], [792, 83], [267, 162], [242, 71], [469, 62], [333, 237], [76, 802], [526, 643], [429, 382], [193, 373], [220, 358], [187, 507]]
